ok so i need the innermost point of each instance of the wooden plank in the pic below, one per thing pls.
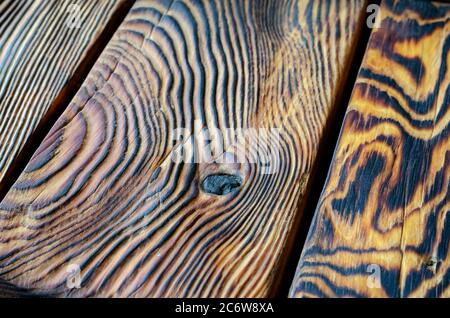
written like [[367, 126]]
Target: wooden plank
[[103, 193], [43, 44], [381, 227]]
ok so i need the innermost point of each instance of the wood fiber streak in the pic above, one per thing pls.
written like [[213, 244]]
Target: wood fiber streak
[[382, 224], [39, 53], [103, 193]]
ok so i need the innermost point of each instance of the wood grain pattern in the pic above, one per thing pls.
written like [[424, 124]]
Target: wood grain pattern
[[384, 211], [102, 191], [42, 45]]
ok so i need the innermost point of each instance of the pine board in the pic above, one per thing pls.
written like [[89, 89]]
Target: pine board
[[42, 46], [382, 224]]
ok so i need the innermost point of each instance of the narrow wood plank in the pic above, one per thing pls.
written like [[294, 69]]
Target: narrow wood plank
[[42, 45], [103, 192], [382, 224]]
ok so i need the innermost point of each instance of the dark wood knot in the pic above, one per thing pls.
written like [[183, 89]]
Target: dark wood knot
[[221, 183]]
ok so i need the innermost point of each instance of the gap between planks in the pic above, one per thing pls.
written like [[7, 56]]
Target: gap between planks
[[318, 175]]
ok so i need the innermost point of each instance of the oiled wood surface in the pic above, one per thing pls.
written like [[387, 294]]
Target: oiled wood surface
[[103, 193], [42, 44], [382, 225]]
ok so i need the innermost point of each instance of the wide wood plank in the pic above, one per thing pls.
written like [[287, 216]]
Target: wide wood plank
[[382, 225], [103, 192], [42, 46]]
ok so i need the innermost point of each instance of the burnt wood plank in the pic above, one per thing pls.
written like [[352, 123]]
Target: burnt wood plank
[[43, 45], [382, 224], [103, 191]]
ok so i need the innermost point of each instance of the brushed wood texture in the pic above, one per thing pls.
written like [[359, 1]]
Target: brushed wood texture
[[102, 191], [382, 225], [42, 44]]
